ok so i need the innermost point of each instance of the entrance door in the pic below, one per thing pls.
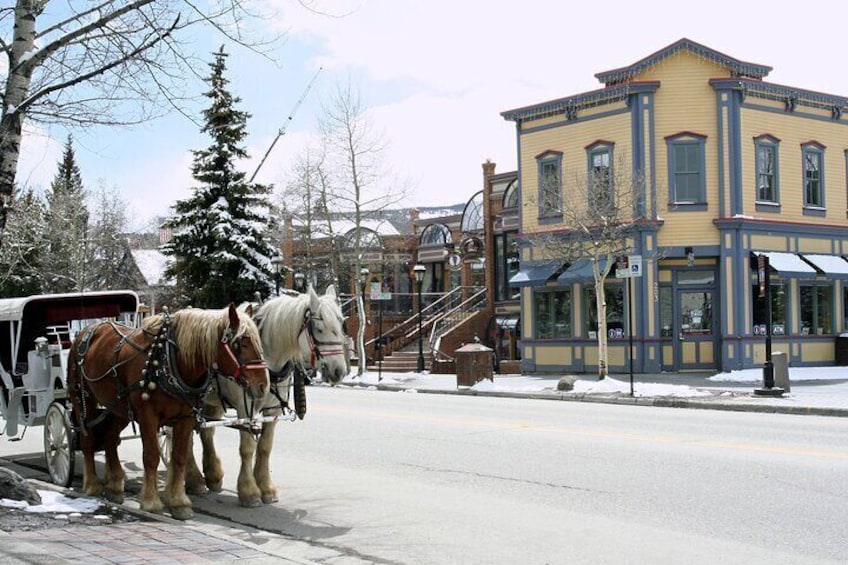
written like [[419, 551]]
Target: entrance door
[[696, 329]]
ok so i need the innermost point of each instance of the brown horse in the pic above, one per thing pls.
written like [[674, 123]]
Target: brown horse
[[156, 375]]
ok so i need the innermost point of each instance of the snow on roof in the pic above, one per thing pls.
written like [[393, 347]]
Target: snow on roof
[[152, 264], [343, 226], [831, 264]]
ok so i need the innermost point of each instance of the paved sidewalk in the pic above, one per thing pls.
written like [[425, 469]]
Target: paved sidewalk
[[809, 394]]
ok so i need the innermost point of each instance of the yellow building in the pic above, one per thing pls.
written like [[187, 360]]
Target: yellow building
[[731, 168]]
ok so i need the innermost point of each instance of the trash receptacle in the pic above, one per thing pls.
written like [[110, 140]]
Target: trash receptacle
[[780, 363], [841, 350], [473, 364]]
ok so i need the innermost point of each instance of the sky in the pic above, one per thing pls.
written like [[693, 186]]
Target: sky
[[435, 76]]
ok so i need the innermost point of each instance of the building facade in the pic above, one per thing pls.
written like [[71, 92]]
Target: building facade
[[731, 168]]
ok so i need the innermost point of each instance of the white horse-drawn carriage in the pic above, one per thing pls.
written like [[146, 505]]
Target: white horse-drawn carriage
[[36, 333]]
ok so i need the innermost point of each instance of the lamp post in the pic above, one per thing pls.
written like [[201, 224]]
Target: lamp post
[[277, 262], [298, 281], [418, 270]]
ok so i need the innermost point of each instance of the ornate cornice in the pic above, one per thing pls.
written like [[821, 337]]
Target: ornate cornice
[[737, 68], [569, 106]]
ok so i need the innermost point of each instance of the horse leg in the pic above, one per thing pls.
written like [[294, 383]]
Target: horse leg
[[213, 472], [114, 485], [248, 492], [261, 471], [194, 478], [91, 484], [175, 494], [84, 404], [149, 498]]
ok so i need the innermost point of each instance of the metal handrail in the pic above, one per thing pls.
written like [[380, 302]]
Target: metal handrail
[[430, 314], [467, 306]]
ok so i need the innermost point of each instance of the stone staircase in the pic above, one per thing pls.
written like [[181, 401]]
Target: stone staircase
[[405, 360]]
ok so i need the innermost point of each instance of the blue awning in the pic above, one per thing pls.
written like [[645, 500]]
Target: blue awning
[[580, 272], [534, 273]]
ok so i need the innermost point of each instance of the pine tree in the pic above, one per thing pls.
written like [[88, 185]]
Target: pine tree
[[23, 246], [220, 245], [66, 256]]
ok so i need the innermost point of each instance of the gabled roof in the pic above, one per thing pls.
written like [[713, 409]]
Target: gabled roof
[[737, 68]]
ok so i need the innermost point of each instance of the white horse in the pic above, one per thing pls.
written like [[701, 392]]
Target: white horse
[[296, 331]]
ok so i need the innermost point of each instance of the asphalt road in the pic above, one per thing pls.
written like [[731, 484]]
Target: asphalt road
[[387, 477], [412, 478]]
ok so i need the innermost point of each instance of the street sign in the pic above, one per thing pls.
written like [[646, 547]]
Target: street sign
[[628, 266], [377, 292]]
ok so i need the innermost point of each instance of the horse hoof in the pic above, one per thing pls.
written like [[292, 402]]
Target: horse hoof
[[115, 497], [215, 486], [196, 489], [182, 513], [269, 498], [251, 502]]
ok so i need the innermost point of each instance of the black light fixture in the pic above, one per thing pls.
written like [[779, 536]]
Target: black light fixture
[[690, 256], [419, 270], [277, 263], [298, 281]]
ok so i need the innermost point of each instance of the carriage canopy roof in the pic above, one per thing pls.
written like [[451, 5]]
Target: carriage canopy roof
[[56, 308]]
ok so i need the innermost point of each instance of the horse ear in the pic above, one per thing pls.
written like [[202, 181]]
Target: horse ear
[[331, 291], [249, 310], [234, 317], [313, 300]]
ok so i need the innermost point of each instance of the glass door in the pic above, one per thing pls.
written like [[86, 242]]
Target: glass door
[[696, 329]]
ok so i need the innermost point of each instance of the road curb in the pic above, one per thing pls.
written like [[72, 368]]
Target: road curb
[[658, 402]]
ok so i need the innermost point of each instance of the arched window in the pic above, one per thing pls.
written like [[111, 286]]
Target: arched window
[[472, 216], [435, 234], [368, 239], [510, 198]]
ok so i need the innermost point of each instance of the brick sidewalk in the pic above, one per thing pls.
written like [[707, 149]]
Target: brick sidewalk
[[137, 543]]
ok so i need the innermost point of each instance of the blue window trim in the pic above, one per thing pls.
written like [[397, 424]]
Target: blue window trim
[[599, 147], [773, 143], [687, 138], [553, 215], [820, 209]]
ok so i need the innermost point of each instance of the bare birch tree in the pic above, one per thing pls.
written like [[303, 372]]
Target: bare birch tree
[[362, 184], [115, 62], [599, 213]]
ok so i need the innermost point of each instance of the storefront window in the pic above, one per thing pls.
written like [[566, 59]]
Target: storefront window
[[615, 310], [816, 309], [553, 314], [666, 312], [779, 298], [506, 266]]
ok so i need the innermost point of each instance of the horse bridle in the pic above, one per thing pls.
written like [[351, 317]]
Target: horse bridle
[[315, 344], [241, 366]]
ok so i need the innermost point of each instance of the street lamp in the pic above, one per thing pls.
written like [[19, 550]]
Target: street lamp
[[277, 262], [363, 280], [298, 281], [418, 270]]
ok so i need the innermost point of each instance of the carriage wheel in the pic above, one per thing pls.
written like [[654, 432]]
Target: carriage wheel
[[59, 444], [165, 445]]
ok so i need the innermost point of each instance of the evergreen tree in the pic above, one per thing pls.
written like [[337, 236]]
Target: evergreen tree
[[23, 246], [108, 245], [66, 257], [220, 245]]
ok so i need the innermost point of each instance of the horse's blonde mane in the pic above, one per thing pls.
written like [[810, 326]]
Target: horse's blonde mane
[[197, 332]]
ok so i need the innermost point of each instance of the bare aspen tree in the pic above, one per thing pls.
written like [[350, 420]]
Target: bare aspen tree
[[599, 213], [361, 185]]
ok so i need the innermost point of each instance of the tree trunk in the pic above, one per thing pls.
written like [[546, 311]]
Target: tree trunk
[[16, 88], [360, 335]]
